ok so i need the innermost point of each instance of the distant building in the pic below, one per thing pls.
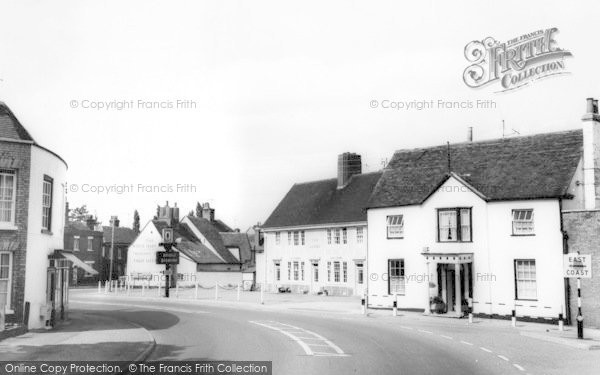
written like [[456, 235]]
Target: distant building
[[123, 238], [85, 241], [316, 238], [34, 270], [207, 254]]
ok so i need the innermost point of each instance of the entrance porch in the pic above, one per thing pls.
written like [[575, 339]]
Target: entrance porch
[[450, 288]]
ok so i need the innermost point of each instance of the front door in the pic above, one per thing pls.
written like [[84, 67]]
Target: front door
[[314, 278], [450, 297]]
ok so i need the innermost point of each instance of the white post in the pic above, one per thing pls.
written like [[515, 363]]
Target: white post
[[513, 319], [106, 287], [196, 293], [99, 286], [395, 308], [561, 323], [363, 303], [143, 289], [177, 290], [262, 294], [216, 290], [457, 295], [238, 292], [158, 289], [2, 317]]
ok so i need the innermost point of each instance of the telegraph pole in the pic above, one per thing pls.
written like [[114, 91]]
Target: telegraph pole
[[113, 219]]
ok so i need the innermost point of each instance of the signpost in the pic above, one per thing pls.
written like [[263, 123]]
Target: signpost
[[168, 256], [579, 266]]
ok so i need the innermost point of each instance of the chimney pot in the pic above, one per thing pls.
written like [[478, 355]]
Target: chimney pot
[[590, 105]]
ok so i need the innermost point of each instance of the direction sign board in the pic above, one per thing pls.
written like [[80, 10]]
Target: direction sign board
[[577, 265], [167, 257], [167, 235]]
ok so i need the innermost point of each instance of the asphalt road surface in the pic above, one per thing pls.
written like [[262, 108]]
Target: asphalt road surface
[[302, 342]]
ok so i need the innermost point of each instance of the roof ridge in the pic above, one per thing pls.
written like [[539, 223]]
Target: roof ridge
[[335, 178], [491, 140]]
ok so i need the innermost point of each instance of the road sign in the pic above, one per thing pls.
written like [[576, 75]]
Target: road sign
[[167, 235], [167, 257], [577, 265]]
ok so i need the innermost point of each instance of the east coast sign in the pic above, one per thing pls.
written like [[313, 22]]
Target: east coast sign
[[516, 62]]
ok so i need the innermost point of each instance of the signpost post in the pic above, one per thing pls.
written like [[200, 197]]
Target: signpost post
[[168, 256], [579, 266]]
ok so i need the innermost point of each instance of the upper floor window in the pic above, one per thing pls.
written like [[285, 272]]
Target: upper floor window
[[395, 226], [329, 236], [90, 244], [302, 238], [359, 235], [289, 237], [296, 238], [8, 186], [47, 203], [75, 243], [522, 222], [454, 225], [344, 235], [336, 236], [277, 238]]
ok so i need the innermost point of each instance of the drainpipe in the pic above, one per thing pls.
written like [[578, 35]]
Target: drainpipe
[[565, 243]]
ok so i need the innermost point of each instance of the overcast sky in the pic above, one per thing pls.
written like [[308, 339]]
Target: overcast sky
[[280, 89]]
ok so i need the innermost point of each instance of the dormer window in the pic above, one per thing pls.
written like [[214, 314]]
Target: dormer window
[[522, 222], [454, 225]]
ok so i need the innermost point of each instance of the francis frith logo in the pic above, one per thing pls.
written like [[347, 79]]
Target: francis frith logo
[[514, 63]]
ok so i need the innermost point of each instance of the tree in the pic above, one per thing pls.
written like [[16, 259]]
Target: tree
[[136, 221], [198, 209], [79, 214]]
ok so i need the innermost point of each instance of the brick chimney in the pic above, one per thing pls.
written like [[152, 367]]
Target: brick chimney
[[591, 155], [207, 212], [169, 214], [349, 164], [91, 222]]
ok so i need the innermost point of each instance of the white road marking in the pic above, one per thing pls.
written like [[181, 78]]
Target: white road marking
[[151, 307], [447, 337], [484, 349], [466, 343], [424, 331], [502, 357], [405, 327], [313, 347], [519, 367]]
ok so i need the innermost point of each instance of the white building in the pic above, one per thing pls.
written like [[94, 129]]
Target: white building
[[33, 270], [477, 222], [316, 238], [206, 255]]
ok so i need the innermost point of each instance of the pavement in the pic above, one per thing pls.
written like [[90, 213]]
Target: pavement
[[84, 336]]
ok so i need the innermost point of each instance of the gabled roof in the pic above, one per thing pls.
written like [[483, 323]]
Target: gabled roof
[[189, 244], [212, 235], [239, 240], [321, 202], [10, 127], [221, 226], [528, 167], [122, 235]]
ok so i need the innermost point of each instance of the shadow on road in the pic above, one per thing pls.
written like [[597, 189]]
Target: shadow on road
[[93, 320]]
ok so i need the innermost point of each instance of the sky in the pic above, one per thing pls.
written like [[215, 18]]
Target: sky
[[269, 92]]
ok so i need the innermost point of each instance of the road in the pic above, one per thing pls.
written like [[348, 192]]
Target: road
[[317, 343]]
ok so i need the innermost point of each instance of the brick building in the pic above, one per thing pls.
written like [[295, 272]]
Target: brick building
[[33, 270], [85, 240], [123, 238]]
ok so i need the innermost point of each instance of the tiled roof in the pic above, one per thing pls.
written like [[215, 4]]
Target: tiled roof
[[527, 167], [122, 235], [239, 240], [221, 226], [321, 202], [212, 235], [10, 127]]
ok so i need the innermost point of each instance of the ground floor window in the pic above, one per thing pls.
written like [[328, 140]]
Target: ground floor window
[[289, 270], [296, 271], [359, 273], [277, 271], [525, 279], [396, 283], [336, 272], [302, 271], [5, 279], [345, 272], [328, 272]]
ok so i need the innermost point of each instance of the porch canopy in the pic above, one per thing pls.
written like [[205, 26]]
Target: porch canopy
[[450, 289], [63, 254]]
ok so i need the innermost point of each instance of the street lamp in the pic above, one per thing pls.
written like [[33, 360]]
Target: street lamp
[[113, 219]]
